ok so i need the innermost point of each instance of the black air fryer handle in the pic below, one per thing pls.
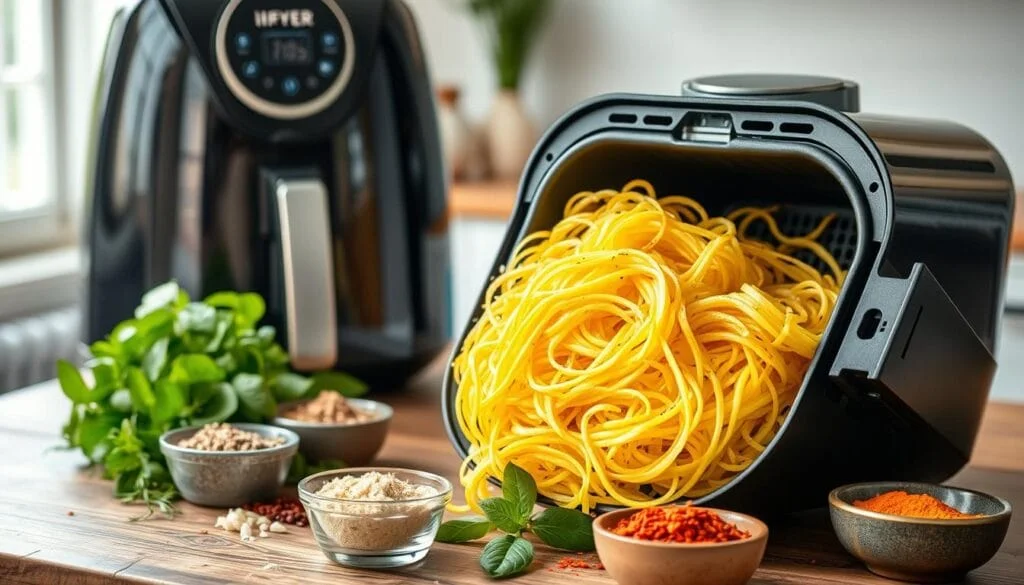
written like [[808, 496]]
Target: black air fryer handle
[[909, 344], [302, 265]]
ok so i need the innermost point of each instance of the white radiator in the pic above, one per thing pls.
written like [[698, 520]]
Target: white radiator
[[30, 347]]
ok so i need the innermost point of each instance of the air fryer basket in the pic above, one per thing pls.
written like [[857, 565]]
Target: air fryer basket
[[879, 399]]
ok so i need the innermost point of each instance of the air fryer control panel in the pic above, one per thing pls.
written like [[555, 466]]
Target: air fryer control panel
[[285, 59]]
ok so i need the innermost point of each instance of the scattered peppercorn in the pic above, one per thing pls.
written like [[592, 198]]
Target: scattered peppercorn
[[679, 524], [283, 509], [71, 513]]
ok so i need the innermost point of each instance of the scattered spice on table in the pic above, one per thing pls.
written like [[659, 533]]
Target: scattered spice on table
[[901, 503], [327, 407], [225, 437], [679, 524], [373, 516], [578, 562], [71, 513], [283, 509]]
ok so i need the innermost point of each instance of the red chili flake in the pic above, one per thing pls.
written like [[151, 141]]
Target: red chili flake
[[577, 563], [287, 510], [679, 524]]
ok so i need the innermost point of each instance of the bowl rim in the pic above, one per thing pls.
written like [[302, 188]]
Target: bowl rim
[[834, 501], [291, 441], [386, 413], [307, 494], [760, 536]]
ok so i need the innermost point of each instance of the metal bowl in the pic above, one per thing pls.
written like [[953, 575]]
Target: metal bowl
[[356, 444], [227, 479], [920, 550]]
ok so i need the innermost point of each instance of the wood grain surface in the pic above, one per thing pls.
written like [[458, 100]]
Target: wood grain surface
[[42, 542]]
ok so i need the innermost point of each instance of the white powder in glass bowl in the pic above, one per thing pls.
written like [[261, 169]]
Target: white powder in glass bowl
[[380, 519]]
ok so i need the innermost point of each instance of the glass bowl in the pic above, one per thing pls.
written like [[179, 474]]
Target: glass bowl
[[375, 534]]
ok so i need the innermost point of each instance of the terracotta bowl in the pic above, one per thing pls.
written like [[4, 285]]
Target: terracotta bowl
[[919, 549], [631, 561]]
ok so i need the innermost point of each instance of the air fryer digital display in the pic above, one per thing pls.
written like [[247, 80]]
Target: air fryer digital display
[[287, 49], [284, 58]]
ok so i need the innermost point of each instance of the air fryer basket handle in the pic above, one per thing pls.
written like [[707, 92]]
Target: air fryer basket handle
[[308, 271], [909, 341]]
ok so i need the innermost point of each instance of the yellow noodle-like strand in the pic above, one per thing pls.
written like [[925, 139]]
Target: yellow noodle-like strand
[[639, 351]]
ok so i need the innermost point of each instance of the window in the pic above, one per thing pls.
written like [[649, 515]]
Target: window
[[49, 57], [28, 194]]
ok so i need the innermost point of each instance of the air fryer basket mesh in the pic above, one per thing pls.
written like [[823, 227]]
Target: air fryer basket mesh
[[840, 238]]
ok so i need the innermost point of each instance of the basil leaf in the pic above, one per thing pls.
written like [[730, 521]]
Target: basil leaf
[[564, 529], [505, 515], [105, 349], [71, 382], [218, 402], [94, 434], [223, 300], [256, 401], [195, 368], [106, 376], [506, 556], [170, 400], [197, 318], [251, 308], [156, 359], [519, 488], [142, 393], [121, 400], [158, 298], [342, 383], [290, 386], [463, 530], [266, 335], [219, 334]]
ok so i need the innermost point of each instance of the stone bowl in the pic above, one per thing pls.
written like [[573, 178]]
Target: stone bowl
[[920, 550]]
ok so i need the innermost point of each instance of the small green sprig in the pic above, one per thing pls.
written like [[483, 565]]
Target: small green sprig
[[512, 513]]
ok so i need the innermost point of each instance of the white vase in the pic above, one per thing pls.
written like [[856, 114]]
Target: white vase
[[456, 133], [510, 135]]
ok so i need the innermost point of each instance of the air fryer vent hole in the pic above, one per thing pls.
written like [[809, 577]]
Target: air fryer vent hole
[[652, 120], [622, 118], [840, 238], [873, 187], [796, 128], [549, 157], [758, 125]]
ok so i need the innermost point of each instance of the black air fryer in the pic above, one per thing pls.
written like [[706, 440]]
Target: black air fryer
[[902, 375], [288, 148]]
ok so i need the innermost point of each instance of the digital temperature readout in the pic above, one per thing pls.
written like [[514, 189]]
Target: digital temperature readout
[[287, 48]]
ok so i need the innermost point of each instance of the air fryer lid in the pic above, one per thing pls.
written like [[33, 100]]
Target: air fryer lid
[[899, 380], [838, 94]]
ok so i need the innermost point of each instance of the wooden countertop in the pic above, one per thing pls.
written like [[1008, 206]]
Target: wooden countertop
[[40, 542]]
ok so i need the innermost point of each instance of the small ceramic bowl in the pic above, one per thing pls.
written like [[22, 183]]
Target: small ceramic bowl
[[375, 534], [920, 550], [226, 479], [631, 561], [354, 443]]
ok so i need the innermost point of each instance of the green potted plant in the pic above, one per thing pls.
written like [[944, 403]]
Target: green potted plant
[[511, 26]]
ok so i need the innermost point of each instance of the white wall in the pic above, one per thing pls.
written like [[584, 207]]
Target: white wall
[[956, 59]]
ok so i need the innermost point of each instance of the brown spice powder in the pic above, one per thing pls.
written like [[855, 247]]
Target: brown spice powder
[[224, 437], [327, 407]]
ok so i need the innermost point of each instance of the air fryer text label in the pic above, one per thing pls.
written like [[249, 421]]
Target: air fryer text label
[[292, 18]]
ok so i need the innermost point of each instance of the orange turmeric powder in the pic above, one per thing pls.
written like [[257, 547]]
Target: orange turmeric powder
[[900, 503]]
